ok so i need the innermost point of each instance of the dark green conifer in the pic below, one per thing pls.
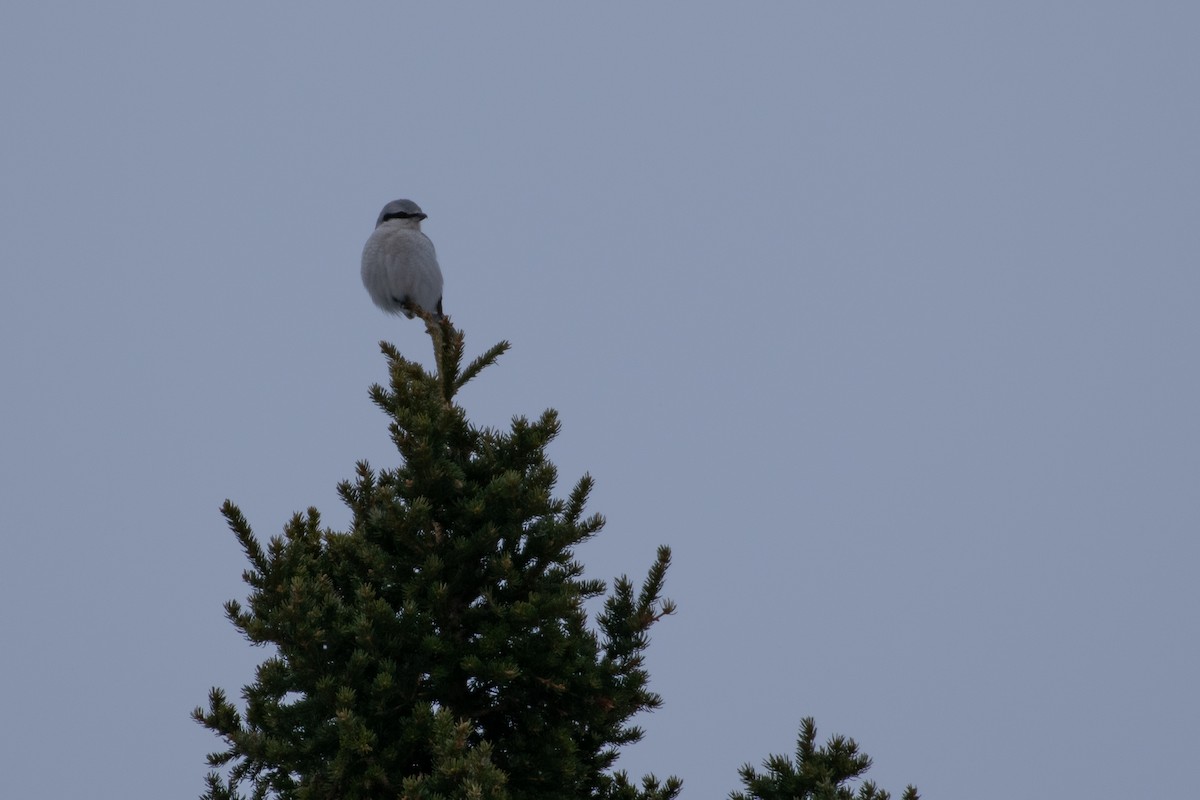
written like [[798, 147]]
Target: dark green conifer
[[816, 773], [440, 646]]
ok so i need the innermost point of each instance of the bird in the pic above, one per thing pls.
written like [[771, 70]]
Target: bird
[[399, 265]]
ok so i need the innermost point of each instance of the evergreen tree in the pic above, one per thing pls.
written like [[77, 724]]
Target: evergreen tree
[[440, 646], [816, 773]]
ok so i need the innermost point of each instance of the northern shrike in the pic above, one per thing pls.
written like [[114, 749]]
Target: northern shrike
[[399, 265]]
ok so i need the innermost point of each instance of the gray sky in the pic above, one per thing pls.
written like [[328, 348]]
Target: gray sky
[[883, 316]]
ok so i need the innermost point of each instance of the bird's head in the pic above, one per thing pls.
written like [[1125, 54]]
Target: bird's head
[[400, 209]]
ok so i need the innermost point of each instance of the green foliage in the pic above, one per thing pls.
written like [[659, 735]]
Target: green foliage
[[439, 647], [459, 770], [815, 773]]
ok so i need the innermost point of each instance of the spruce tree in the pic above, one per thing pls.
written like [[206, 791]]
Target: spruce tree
[[816, 773], [440, 646]]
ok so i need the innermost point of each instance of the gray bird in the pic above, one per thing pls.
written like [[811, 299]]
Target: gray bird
[[399, 265]]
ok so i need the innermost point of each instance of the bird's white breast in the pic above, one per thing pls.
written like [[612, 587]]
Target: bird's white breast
[[400, 265]]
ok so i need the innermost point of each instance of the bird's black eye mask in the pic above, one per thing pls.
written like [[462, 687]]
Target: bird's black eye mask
[[401, 215]]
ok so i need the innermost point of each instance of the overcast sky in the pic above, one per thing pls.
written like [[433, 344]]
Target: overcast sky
[[883, 315]]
